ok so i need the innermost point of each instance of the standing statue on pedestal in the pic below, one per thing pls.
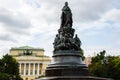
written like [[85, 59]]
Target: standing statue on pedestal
[[66, 17], [65, 38], [67, 55]]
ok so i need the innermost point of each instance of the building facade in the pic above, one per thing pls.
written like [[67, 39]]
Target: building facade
[[88, 60], [32, 61]]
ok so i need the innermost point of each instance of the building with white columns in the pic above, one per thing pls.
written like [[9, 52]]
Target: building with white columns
[[32, 61]]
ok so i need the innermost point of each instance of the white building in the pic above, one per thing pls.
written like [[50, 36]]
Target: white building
[[32, 61]]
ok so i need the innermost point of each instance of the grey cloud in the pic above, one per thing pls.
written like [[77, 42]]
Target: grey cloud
[[90, 10], [18, 31], [7, 37], [14, 25], [83, 10], [34, 3], [13, 21]]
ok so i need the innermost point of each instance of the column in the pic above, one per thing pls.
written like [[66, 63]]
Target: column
[[24, 68], [29, 69], [20, 67], [38, 69], [33, 68]]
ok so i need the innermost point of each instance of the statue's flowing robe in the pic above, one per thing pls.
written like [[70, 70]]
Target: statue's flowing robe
[[66, 17]]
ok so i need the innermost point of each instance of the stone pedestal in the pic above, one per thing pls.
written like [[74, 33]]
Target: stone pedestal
[[73, 78], [67, 63]]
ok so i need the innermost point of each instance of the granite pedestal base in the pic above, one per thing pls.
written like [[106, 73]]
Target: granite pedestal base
[[72, 78], [67, 63]]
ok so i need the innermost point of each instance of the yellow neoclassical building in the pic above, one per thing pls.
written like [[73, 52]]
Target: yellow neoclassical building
[[32, 61]]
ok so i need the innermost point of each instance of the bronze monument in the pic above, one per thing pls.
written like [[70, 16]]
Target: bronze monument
[[67, 58]]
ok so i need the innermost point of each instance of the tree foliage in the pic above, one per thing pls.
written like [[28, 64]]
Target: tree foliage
[[9, 68], [82, 53], [102, 66]]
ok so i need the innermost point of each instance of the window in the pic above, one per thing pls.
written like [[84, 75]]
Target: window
[[39, 71], [35, 71], [26, 72], [22, 72], [31, 72]]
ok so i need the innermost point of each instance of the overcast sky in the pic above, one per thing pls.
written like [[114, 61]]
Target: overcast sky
[[35, 23]]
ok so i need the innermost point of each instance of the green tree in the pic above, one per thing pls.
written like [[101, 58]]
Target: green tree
[[102, 66], [1, 66], [9, 68], [4, 76], [82, 54], [99, 57], [116, 67]]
